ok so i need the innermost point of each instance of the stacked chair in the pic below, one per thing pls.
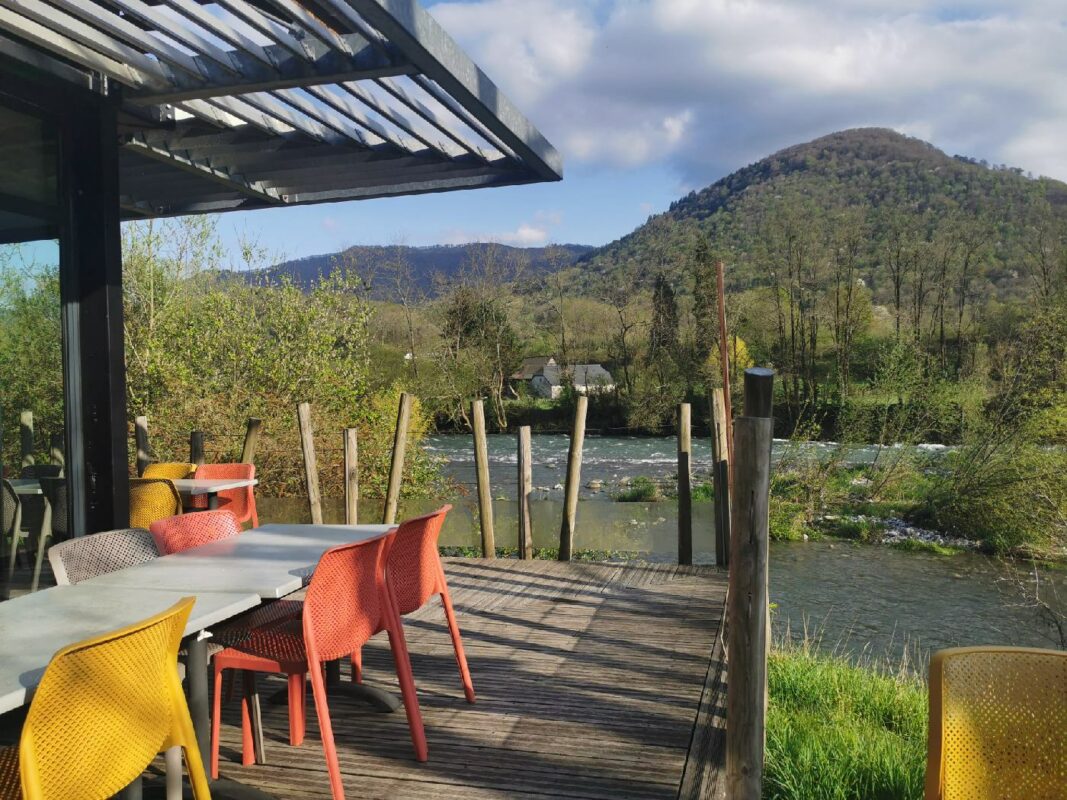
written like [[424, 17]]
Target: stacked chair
[[242, 502]]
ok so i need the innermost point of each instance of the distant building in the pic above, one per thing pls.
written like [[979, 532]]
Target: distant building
[[587, 379], [531, 366]]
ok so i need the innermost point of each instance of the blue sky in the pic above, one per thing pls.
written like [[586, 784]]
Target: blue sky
[[647, 99]]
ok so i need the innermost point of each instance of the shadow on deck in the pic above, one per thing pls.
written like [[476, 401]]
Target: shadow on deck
[[593, 681]]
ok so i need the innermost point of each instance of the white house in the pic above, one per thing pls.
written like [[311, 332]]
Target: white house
[[586, 378]]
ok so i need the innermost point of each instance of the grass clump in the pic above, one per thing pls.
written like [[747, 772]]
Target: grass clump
[[840, 731], [640, 490], [917, 546]]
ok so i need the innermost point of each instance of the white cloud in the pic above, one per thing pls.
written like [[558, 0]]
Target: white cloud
[[525, 235], [708, 85]]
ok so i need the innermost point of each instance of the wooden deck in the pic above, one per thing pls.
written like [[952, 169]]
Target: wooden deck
[[589, 677]]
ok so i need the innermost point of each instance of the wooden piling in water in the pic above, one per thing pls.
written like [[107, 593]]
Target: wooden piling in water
[[574, 477], [196, 447], [253, 427], [748, 607], [720, 469], [685, 479], [485, 492], [396, 467], [311, 467], [140, 438], [26, 439], [525, 483], [351, 476]]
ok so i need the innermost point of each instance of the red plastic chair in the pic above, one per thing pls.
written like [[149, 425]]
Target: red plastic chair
[[242, 502], [185, 531], [347, 601], [415, 574]]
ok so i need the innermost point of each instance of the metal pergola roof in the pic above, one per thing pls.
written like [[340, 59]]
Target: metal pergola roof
[[239, 104]]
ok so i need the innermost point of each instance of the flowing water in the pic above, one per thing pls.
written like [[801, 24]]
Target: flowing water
[[860, 598]]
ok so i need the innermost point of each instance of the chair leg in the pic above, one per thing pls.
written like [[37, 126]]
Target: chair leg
[[322, 711], [216, 717], [357, 666], [457, 643], [402, 660], [184, 733], [297, 705], [173, 759], [248, 748]]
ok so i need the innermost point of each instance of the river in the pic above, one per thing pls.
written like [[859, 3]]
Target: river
[[862, 599]]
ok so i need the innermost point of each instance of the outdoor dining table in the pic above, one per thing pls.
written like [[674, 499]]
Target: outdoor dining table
[[194, 487]]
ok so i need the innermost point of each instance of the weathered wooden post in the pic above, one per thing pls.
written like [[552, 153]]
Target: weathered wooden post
[[311, 467], [26, 438], [252, 430], [396, 468], [140, 438], [685, 477], [56, 453], [196, 447], [574, 477], [724, 363], [525, 483], [485, 491], [720, 471], [351, 477], [748, 608]]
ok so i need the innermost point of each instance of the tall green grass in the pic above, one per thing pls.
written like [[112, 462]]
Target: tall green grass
[[837, 730]]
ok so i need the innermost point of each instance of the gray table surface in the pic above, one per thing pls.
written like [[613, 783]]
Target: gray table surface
[[198, 486], [271, 561], [25, 485], [33, 627]]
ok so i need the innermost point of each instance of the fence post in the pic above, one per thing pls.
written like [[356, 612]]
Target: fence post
[[56, 454], [485, 491], [252, 430], [311, 467], [140, 438], [196, 447], [351, 477], [574, 477], [748, 608], [724, 363], [396, 468], [26, 438], [685, 479], [720, 470], [525, 490]]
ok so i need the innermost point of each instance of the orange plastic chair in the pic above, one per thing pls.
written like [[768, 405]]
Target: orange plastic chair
[[998, 724], [242, 502], [182, 532], [172, 470], [415, 574], [152, 499], [347, 601], [102, 711]]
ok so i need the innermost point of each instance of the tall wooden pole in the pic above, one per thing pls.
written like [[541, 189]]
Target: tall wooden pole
[[574, 477], [351, 477], [485, 491], [525, 482], [685, 476], [196, 447], [253, 427], [311, 466], [26, 438], [140, 438], [747, 605], [396, 466], [724, 364], [720, 469]]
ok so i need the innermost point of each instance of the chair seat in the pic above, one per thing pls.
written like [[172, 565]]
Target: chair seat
[[10, 783], [274, 647], [234, 632]]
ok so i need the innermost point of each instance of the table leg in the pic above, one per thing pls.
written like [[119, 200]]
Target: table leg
[[42, 541], [213, 501]]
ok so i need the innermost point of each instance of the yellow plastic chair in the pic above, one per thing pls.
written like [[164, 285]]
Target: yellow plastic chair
[[103, 710], [173, 470], [152, 499], [998, 724]]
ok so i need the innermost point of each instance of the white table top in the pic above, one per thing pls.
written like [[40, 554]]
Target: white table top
[[196, 486], [271, 561], [25, 485], [34, 626]]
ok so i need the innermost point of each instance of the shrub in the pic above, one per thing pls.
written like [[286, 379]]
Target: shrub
[[641, 490]]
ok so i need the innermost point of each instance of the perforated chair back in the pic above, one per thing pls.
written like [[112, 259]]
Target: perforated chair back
[[343, 605], [242, 502], [172, 470], [103, 710], [152, 499], [86, 557], [38, 471], [175, 534], [414, 564], [55, 489], [998, 724], [10, 509]]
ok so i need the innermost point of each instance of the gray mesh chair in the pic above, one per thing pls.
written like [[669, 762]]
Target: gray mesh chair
[[10, 526], [86, 557], [55, 489]]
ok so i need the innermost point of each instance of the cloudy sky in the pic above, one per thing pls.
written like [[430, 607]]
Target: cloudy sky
[[647, 99]]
